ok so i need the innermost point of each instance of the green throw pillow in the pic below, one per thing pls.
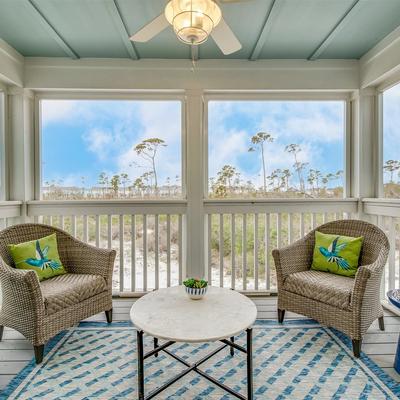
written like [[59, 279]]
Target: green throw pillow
[[38, 255], [336, 254]]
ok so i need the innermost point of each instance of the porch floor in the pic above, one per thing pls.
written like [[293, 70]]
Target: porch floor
[[16, 351]]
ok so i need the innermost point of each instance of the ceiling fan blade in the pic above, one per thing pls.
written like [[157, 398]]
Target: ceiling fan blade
[[225, 38], [150, 30]]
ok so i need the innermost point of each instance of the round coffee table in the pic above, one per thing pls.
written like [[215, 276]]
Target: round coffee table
[[219, 316]]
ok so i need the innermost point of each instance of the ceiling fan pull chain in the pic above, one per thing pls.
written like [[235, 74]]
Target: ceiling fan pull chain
[[193, 61]]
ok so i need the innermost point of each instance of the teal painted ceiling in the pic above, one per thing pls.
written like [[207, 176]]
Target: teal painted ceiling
[[267, 29]]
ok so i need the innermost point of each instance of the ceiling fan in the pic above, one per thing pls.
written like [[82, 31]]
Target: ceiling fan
[[193, 22]]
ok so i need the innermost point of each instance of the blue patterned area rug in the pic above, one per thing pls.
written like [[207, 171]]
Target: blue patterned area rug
[[299, 360]]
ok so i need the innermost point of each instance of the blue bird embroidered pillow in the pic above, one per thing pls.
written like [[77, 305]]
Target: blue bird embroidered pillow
[[39, 255], [336, 254]]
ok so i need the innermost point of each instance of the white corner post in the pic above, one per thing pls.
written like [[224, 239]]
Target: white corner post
[[364, 145], [195, 170], [21, 146]]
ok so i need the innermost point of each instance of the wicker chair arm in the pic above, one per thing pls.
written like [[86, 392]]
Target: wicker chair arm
[[296, 257], [83, 258], [21, 294], [367, 283]]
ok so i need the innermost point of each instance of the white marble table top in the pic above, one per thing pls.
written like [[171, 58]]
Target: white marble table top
[[170, 314]]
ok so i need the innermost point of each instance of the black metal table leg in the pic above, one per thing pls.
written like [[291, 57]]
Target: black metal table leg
[[249, 364], [140, 357], [155, 346], [194, 367]]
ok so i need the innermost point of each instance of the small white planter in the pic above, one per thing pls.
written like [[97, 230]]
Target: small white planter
[[196, 294]]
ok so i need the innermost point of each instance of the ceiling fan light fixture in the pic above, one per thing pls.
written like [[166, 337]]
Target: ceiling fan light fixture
[[193, 20]]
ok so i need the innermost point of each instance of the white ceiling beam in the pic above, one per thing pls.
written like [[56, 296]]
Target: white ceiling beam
[[353, 9], [225, 74], [11, 65], [116, 15], [273, 12], [68, 50], [381, 64]]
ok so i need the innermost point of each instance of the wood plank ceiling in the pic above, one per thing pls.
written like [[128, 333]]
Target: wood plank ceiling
[[267, 29]]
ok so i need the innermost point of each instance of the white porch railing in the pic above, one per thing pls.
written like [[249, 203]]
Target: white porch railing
[[385, 213], [149, 237], [241, 235], [8, 211], [146, 235]]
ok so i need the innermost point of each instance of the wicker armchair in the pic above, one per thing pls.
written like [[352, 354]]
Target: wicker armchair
[[40, 310], [347, 304]]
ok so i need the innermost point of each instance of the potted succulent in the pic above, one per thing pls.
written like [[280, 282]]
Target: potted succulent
[[195, 288]]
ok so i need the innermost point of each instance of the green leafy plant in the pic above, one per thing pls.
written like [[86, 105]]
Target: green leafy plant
[[195, 283]]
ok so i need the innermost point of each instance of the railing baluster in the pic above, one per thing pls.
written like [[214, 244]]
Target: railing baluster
[[379, 222], [121, 253], [62, 222], [156, 254], [85, 228], [133, 253], [97, 230], [145, 252], [392, 254], [35, 220], [302, 225], [73, 225], [255, 251], [221, 250], [233, 249], [337, 216], [278, 230], [180, 247], [324, 217], [267, 248], [109, 231], [209, 233], [168, 250], [313, 220], [244, 252], [51, 220], [290, 228]]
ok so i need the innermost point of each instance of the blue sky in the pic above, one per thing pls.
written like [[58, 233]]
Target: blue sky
[[82, 138], [391, 125], [317, 126]]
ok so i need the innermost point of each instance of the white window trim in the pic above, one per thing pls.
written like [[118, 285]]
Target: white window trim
[[285, 96], [3, 144], [124, 95], [381, 89]]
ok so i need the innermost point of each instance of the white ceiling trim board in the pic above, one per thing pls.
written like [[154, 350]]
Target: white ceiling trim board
[[273, 12], [115, 13], [68, 50], [353, 9]]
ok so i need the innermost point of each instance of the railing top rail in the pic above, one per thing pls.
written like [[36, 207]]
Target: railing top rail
[[5, 203], [9, 209], [384, 207], [105, 207], [106, 201], [395, 202], [281, 206], [280, 201]]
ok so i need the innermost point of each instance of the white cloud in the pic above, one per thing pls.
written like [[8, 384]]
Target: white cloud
[[99, 142], [57, 111], [161, 120]]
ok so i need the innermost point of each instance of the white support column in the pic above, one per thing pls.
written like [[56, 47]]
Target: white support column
[[195, 172], [364, 145], [21, 146]]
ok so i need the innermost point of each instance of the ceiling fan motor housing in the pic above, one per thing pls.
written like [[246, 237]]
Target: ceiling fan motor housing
[[193, 20]]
